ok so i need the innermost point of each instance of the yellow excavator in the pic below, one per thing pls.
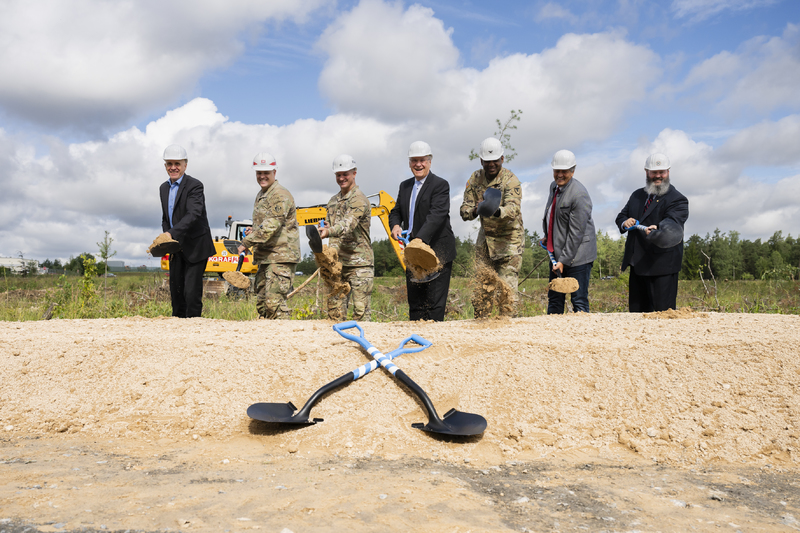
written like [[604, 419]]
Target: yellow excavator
[[226, 257]]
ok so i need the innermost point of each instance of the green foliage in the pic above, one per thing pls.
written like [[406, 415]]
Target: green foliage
[[308, 265], [386, 261], [88, 296], [503, 134]]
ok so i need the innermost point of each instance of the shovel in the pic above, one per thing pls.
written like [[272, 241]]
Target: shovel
[[314, 240], [287, 413], [430, 277], [491, 202], [237, 279], [572, 287], [454, 422], [636, 225]]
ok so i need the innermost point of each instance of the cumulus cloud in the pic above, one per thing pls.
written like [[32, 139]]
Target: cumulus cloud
[[761, 76], [699, 10], [89, 64], [551, 10], [411, 75]]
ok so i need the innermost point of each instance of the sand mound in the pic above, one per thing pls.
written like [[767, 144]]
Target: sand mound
[[683, 312], [330, 269], [715, 388], [565, 285], [237, 279], [420, 259]]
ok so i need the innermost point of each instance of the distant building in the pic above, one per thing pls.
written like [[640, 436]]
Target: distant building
[[116, 266], [19, 265]]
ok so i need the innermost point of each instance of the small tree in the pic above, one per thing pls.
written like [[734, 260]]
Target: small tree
[[105, 253], [504, 136]]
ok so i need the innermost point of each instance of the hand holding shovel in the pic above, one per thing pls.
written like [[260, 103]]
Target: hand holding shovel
[[237, 279]]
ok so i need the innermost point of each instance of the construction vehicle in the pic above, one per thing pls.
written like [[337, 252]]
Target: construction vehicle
[[227, 255]]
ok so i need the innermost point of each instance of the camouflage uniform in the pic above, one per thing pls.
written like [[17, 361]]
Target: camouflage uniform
[[349, 216], [501, 238], [275, 242]]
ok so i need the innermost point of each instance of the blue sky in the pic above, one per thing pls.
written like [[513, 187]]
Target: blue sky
[[92, 91]]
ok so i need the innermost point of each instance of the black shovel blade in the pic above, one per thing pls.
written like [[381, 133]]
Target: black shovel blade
[[280, 413], [455, 423], [491, 202], [430, 277], [314, 240]]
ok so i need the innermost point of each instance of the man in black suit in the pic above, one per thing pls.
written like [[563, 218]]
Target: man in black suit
[[423, 206], [654, 251], [183, 208]]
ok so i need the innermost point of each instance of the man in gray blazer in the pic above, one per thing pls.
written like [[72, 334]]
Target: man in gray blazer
[[569, 233]]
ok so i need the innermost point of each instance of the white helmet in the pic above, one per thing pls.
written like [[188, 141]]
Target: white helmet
[[175, 152], [343, 163], [657, 162], [491, 149], [419, 149], [264, 161], [563, 160]]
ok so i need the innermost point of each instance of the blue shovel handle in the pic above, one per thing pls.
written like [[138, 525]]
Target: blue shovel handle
[[379, 358], [552, 257], [636, 225]]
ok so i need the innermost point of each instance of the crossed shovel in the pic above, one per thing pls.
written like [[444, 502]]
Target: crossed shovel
[[453, 423]]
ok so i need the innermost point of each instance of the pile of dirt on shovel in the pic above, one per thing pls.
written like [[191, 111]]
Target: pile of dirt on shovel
[[330, 269], [565, 285], [711, 388], [420, 259]]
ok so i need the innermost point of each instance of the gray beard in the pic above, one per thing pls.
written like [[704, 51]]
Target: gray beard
[[658, 190]]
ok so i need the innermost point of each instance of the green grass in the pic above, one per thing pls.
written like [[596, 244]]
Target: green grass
[[146, 294]]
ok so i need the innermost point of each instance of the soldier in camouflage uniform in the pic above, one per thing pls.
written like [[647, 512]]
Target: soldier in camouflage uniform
[[274, 239], [349, 216], [502, 236]]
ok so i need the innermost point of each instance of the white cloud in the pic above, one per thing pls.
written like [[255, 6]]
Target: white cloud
[[88, 64], [699, 10], [552, 10], [762, 75]]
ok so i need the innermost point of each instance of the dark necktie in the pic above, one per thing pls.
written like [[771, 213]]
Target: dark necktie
[[647, 204], [550, 223]]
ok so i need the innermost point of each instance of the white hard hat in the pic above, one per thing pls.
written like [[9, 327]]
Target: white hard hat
[[264, 161], [563, 160], [175, 152], [343, 163], [491, 149], [657, 162], [419, 149]]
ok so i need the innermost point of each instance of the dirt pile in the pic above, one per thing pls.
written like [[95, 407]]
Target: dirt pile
[[237, 279], [162, 245], [330, 269], [719, 387]]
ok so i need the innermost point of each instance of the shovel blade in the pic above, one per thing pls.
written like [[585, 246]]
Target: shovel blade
[[314, 240], [455, 423], [280, 413]]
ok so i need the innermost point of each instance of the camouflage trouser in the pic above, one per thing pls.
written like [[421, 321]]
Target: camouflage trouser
[[360, 280], [507, 269], [273, 283]]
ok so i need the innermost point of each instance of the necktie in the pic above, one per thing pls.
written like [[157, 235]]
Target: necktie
[[550, 223], [647, 204], [412, 206]]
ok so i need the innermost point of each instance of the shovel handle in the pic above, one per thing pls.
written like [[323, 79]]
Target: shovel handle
[[549, 253], [636, 225], [366, 368], [241, 261], [382, 359]]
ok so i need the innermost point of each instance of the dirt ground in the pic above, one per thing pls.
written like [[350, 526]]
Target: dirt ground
[[619, 422]]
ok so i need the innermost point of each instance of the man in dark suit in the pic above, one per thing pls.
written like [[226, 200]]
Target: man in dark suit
[[184, 218], [423, 206], [654, 250]]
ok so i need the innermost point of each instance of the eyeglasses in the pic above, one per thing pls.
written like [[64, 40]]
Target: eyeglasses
[[169, 164]]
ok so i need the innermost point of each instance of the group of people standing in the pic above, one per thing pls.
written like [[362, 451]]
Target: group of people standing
[[653, 218]]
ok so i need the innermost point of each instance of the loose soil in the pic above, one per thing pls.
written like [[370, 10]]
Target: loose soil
[[489, 289], [595, 422], [330, 270], [161, 245], [565, 285], [420, 259], [237, 279]]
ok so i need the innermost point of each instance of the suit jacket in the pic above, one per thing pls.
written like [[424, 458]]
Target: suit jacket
[[190, 221], [431, 215], [574, 237], [647, 258]]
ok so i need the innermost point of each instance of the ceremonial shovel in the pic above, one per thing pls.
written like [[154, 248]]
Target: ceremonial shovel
[[453, 423], [284, 413]]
